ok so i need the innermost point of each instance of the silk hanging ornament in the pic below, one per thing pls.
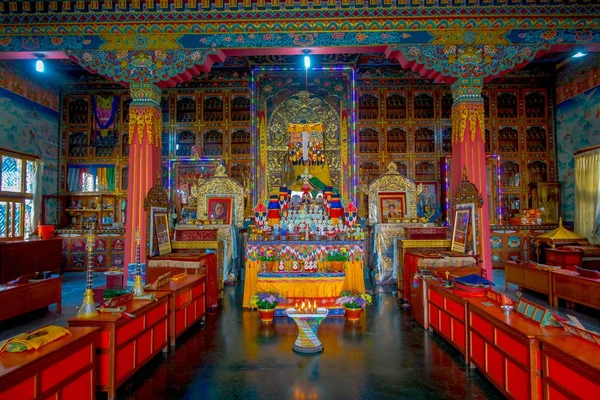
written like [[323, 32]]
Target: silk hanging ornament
[[105, 132]]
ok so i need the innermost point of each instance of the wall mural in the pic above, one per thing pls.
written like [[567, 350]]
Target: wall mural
[[31, 128], [577, 127]]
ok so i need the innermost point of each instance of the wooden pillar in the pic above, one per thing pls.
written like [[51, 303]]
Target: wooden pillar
[[145, 132], [468, 151]]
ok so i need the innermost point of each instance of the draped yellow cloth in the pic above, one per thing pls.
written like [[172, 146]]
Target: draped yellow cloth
[[303, 286], [355, 279], [587, 192], [252, 269]]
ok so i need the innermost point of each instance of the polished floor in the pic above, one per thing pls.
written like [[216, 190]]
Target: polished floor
[[384, 356]]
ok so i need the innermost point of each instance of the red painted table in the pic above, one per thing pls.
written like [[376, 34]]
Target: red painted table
[[418, 302], [186, 303], [414, 262], [506, 349], [571, 367], [30, 296], [191, 263], [447, 315], [62, 369], [124, 345]]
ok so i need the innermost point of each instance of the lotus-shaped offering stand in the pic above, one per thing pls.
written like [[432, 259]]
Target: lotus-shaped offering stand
[[308, 321]]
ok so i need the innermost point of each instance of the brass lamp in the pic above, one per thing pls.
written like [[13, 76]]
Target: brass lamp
[[88, 308]]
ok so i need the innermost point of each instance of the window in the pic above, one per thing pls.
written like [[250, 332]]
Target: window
[[16, 194]]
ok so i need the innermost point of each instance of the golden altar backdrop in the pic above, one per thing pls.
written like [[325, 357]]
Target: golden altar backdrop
[[306, 151], [294, 285], [279, 104]]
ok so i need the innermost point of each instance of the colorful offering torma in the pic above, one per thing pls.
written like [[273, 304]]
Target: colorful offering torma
[[311, 215]]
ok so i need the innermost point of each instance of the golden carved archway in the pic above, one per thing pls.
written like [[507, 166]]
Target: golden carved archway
[[295, 109]]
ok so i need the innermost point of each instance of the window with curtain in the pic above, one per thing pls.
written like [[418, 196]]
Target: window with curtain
[[90, 177], [587, 193], [18, 194]]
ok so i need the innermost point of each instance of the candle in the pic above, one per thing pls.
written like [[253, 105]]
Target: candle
[[315, 306]]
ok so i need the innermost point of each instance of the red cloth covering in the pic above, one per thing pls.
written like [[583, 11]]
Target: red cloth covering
[[433, 233], [190, 235]]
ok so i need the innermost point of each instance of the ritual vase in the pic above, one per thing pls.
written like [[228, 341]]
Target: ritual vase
[[271, 266], [353, 314], [336, 266], [266, 315]]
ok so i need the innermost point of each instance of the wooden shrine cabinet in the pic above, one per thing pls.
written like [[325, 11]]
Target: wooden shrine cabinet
[[547, 196], [186, 108], [78, 109], [213, 107], [103, 209], [571, 368], [506, 348], [423, 104], [123, 345], [396, 139], [368, 106], [368, 140], [424, 139], [185, 140], [213, 142], [240, 142], [22, 257], [78, 143], [239, 108], [535, 102], [447, 315], [396, 105], [508, 104], [62, 369]]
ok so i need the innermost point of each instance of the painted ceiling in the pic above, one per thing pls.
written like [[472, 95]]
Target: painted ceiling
[[169, 42]]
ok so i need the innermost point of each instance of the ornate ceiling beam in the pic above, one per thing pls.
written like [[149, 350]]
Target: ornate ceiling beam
[[446, 63], [165, 68]]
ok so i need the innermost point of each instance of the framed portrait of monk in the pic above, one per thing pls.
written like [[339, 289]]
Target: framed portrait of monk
[[392, 206], [161, 227], [220, 210]]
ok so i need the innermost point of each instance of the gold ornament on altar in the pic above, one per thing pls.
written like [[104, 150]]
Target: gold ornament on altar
[[138, 286], [392, 181], [88, 308], [220, 185], [306, 150], [308, 109]]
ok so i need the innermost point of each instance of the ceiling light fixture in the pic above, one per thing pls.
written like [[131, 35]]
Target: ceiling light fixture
[[306, 59], [39, 64], [579, 54]]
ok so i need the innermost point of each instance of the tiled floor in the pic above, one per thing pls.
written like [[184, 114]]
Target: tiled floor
[[386, 355]]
